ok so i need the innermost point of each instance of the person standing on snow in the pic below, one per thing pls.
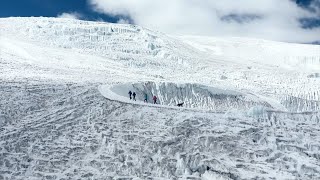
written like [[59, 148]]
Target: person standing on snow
[[145, 97], [134, 96], [130, 95], [155, 99]]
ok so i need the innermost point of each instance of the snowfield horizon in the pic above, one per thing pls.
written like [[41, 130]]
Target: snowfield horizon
[[251, 107]]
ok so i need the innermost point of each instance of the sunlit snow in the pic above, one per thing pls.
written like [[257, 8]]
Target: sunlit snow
[[251, 107]]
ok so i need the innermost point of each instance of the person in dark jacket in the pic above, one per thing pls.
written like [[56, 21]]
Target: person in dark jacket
[[145, 97], [155, 99], [134, 96], [130, 95]]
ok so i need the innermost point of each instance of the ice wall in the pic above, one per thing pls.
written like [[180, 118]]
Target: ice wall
[[192, 95]]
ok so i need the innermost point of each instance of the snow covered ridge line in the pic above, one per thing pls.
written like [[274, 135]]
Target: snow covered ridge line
[[288, 55], [115, 41], [191, 95], [131, 42]]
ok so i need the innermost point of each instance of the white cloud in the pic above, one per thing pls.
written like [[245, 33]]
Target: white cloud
[[277, 18], [73, 15], [123, 21], [315, 5]]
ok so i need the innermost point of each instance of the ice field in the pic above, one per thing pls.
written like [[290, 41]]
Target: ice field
[[251, 107]]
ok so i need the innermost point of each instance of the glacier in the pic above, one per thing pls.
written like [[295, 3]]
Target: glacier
[[252, 107]]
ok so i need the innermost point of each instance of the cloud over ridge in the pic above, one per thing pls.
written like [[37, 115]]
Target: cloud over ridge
[[266, 19], [72, 15]]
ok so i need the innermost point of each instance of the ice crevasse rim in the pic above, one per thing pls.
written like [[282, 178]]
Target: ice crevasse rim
[[193, 95]]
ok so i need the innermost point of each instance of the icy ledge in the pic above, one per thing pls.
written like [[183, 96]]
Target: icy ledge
[[192, 95]]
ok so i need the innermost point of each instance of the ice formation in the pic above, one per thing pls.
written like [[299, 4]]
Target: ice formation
[[251, 106]]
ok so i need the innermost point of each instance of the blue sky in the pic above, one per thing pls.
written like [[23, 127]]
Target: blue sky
[[267, 19], [51, 8]]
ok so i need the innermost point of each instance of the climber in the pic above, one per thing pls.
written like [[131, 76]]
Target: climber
[[154, 99], [145, 97], [130, 95], [134, 96]]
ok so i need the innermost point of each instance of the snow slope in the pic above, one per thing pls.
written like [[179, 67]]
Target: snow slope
[[252, 106]]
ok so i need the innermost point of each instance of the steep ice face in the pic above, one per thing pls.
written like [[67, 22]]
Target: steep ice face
[[192, 95], [212, 98], [299, 104]]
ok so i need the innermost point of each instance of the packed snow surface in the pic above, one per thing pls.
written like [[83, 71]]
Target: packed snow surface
[[251, 107]]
